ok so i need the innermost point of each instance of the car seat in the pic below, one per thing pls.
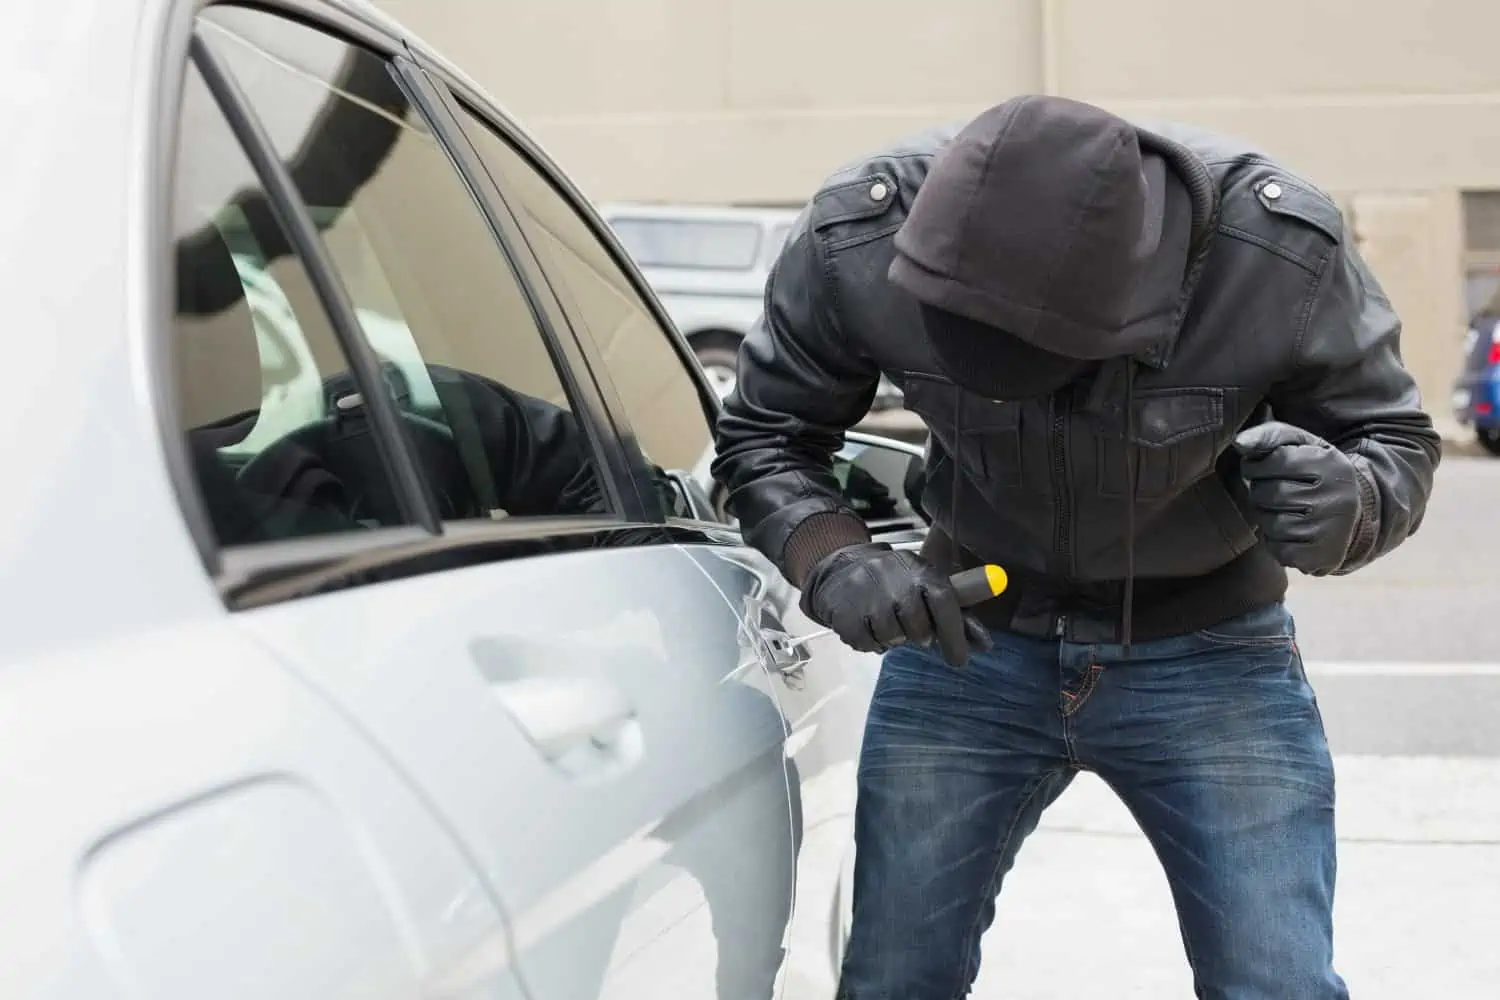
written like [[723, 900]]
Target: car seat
[[218, 380]]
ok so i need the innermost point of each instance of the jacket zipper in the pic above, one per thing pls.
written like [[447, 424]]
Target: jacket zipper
[[1059, 406]]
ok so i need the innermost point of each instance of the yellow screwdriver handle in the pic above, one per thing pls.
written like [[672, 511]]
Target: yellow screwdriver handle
[[977, 585], [974, 586]]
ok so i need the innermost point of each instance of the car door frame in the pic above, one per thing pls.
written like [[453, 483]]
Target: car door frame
[[283, 570], [466, 95]]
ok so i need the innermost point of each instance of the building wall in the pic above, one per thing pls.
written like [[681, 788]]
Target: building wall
[[1395, 104]]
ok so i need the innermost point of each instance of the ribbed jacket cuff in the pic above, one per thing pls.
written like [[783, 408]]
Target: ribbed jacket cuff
[[817, 538]]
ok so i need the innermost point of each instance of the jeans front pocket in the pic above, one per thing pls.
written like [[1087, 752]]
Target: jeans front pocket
[[984, 434], [1268, 626]]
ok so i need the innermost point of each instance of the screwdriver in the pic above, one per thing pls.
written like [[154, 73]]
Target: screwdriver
[[974, 586]]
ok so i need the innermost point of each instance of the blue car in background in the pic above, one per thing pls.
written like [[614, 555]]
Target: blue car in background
[[1476, 394]]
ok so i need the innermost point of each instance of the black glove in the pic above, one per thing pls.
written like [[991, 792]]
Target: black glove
[[874, 598], [1305, 494]]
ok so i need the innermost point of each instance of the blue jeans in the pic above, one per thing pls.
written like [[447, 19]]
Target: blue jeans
[[1213, 741]]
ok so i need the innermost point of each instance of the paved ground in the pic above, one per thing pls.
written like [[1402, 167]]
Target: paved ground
[[1406, 660]]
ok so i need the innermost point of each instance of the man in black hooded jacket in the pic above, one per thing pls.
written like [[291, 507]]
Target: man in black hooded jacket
[[1156, 373]]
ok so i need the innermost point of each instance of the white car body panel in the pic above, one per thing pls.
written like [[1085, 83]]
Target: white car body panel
[[665, 750], [236, 839]]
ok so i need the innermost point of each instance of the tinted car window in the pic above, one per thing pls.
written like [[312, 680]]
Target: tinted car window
[[665, 411], [688, 243], [876, 481], [434, 293], [247, 365]]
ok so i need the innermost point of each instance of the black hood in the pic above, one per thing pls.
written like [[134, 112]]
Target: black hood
[[1042, 218], [1044, 239]]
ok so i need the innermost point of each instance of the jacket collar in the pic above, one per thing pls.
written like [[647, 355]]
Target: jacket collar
[[1203, 199]]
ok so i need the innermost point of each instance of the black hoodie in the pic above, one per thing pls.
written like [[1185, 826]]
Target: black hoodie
[[1033, 222], [1046, 238], [1042, 220]]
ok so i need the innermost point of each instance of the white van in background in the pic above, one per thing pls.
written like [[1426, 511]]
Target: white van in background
[[708, 265]]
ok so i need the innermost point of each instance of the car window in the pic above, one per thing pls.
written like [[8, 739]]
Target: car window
[[876, 481], [668, 416], [244, 363], [434, 292], [689, 243]]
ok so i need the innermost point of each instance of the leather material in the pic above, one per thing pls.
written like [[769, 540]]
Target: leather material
[[1277, 316], [874, 597], [1308, 498]]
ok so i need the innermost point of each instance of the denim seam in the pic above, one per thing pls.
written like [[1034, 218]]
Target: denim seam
[[1182, 928], [1075, 701], [1245, 642], [1066, 719], [1037, 784]]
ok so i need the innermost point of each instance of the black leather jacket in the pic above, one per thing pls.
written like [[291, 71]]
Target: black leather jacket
[[1278, 315]]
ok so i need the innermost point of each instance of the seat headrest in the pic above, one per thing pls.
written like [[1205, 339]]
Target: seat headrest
[[219, 368]]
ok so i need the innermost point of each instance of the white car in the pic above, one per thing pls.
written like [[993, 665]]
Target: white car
[[317, 683], [708, 265]]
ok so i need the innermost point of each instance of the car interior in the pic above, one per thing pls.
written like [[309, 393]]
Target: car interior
[[328, 475]]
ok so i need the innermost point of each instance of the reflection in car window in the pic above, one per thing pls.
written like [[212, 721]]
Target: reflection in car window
[[689, 243], [660, 397], [244, 363], [874, 481], [434, 293]]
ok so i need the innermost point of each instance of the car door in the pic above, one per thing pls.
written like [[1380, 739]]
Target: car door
[[748, 891], [665, 410], [186, 817], [515, 628]]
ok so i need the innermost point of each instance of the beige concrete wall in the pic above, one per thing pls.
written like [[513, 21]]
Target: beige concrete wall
[[1394, 103], [730, 100]]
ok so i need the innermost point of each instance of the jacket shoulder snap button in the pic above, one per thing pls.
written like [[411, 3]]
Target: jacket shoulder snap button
[[878, 191], [1272, 191]]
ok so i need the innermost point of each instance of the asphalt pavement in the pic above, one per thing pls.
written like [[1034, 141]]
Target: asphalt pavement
[[1405, 657]]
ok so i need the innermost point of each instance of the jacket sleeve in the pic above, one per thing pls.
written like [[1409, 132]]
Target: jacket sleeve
[[800, 387], [1351, 389], [539, 458]]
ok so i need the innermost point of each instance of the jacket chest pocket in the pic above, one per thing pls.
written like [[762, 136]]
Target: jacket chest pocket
[[983, 434], [1175, 440]]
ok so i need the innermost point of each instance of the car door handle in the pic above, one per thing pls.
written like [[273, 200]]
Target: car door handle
[[764, 637], [582, 725], [784, 654]]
